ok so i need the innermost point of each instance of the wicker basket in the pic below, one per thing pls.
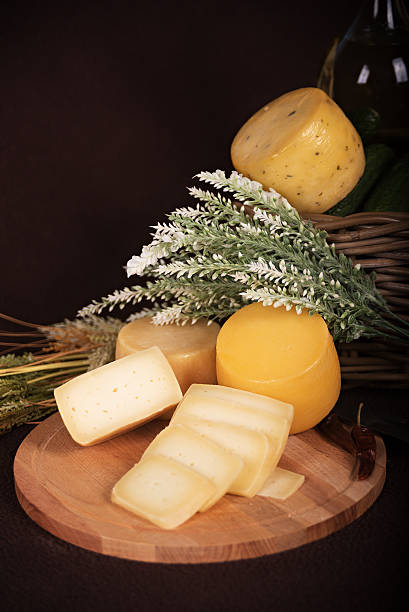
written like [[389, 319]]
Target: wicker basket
[[380, 243]]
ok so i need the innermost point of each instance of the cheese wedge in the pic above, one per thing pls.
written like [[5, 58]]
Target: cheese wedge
[[281, 354], [303, 146], [118, 396], [281, 484], [256, 450], [162, 491], [200, 454], [226, 411], [190, 349]]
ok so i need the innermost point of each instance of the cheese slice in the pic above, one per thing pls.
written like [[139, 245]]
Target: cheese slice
[[200, 454], [190, 349], [243, 398], [226, 411], [118, 396], [256, 450], [303, 146], [281, 484], [287, 356], [162, 491]]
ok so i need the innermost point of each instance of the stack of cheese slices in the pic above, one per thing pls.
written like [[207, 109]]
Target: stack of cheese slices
[[219, 440]]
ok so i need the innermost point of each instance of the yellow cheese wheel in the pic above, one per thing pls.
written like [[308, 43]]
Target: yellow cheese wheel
[[283, 355], [303, 146], [190, 349]]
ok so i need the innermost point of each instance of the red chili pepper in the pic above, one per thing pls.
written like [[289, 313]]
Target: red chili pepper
[[332, 427], [366, 447], [360, 442]]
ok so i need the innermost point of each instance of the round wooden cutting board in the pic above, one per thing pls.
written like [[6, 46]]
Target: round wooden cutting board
[[65, 488]]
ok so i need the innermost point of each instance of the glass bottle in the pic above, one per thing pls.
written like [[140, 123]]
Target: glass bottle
[[372, 68]]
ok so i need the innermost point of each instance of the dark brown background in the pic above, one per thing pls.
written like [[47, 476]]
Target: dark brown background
[[107, 110]]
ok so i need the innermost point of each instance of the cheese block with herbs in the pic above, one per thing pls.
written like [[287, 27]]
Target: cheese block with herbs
[[303, 146], [118, 396], [284, 355]]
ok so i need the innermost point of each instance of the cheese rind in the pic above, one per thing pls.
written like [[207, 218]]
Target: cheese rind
[[281, 484], [206, 457], [256, 450], [118, 396], [303, 146], [281, 354], [190, 349], [162, 491]]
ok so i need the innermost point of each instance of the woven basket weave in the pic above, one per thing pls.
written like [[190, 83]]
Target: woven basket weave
[[378, 242]]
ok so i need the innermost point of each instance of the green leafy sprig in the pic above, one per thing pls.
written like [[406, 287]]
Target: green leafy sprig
[[213, 258]]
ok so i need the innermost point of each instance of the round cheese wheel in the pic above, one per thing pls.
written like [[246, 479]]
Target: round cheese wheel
[[190, 349], [290, 357], [303, 146]]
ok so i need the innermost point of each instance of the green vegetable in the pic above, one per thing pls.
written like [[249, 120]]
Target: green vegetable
[[392, 192], [378, 158], [366, 120]]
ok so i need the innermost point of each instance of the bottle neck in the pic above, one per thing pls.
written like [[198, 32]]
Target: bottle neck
[[380, 21], [386, 14]]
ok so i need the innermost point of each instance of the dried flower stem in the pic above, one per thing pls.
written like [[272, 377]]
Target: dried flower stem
[[27, 381], [213, 258]]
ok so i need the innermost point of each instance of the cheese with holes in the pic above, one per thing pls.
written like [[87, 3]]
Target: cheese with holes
[[281, 484], [162, 491], [281, 354], [204, 406], [200, 454], [303, 146], [256, 450], [190, 349], [118, 396]]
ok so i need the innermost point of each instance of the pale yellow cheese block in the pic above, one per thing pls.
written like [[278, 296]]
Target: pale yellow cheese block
[[303, 146], [243, 398], [162, 491], [254, 448], [190, 349], [281, 354], [251, 400], [281, 484], [200, 454], [118, 396], [226, 411]]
